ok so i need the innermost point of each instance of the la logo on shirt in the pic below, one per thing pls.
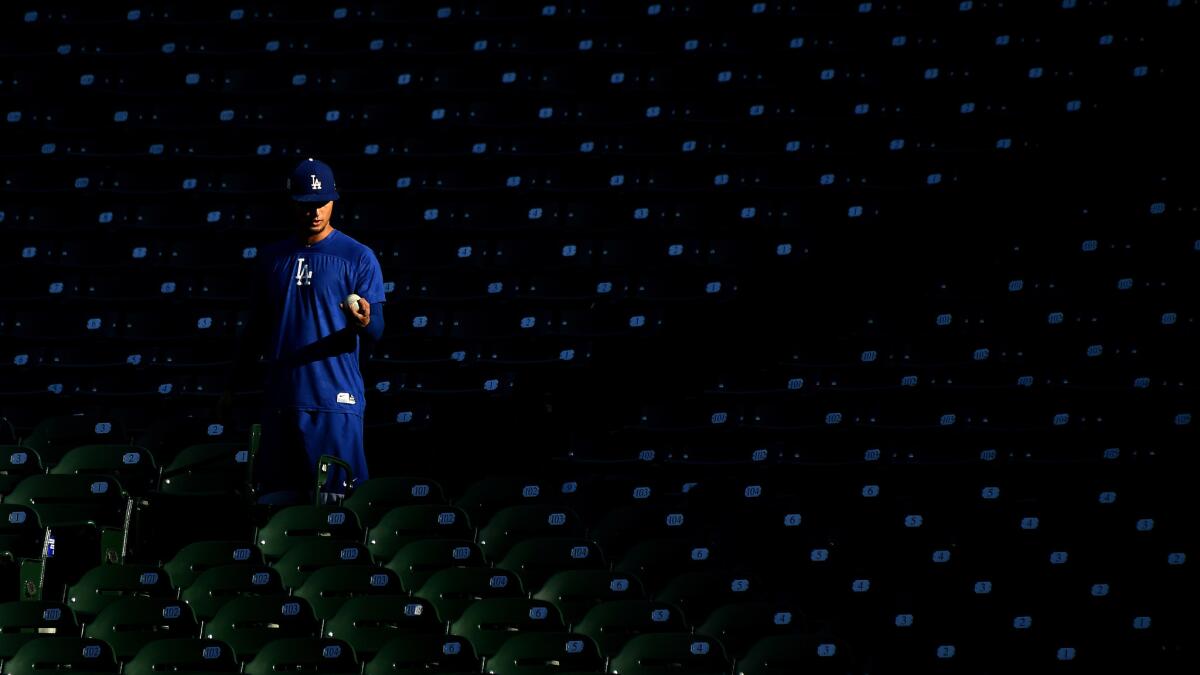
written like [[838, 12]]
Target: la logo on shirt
[[303, 273]]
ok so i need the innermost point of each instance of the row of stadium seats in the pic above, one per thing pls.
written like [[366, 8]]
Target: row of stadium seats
[[422, 653], [1114, 584], [855, 548]]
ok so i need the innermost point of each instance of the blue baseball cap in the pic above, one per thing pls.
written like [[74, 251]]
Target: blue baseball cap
[[312, 181]]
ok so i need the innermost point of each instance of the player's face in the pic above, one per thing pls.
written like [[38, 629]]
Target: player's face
[[312, 217]]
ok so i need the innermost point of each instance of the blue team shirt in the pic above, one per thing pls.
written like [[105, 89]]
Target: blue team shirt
[[311, 353]]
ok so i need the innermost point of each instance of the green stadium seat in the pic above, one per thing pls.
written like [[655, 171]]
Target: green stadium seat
[[452, 590], [574, 592], [406, 524], [535, 560], [777, 654], [59, 654], [25, 620], [376, 497], [488, 623], [546, 654], [105, 584], [370, 622], [328, 588], [419, 560], [134, 467], [194, 559], [54, 436], [216, 586], [17, 462], [699, 593], [657, 653], [517, 523], [21, 533], [208, 469], [738, 626], [129, 624], [656, 561], [298, 523], [305, 557], [182, 655], [247, 624], [612, 624], [305, 655], [419, 654]]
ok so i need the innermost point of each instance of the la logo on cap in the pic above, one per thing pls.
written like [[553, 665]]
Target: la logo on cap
[[316, 184]]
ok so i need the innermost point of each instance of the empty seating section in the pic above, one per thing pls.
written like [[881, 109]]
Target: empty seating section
[[723, 338]]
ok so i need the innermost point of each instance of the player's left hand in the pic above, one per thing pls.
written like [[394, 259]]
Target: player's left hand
[[361, 318]]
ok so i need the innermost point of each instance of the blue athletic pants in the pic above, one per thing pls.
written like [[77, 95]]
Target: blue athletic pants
[[294, 439]]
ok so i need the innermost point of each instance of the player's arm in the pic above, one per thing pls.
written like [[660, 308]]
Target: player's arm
[[367, 320]]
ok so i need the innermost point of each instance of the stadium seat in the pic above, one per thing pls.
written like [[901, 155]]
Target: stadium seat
[[787, 654], [76, 654], [133, 467], [574, 592], [54, 436], [328, 588], [655, 561], [66, 500], [20, 533], [488, 496], [488, 623], [105, 584], [377, 496], [417, 653], [217, 586], [323, 655], [613, 623], [198, 557], [247, 624], [306, 557], [419, 560], [169, 435], [370, 622], [541, 653], [208, 469], [298, 523], [17, 462], [671, 652], [698, 593], [405, 524], [451, 591], [620, 529], [183, 655], [516, 523], [87, 518], [535, 560], [129, 624], [22, 621], [738, 626]]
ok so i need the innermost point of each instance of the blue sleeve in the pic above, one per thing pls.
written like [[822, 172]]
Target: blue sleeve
[[369, 284], [368, 281], [374, 330]]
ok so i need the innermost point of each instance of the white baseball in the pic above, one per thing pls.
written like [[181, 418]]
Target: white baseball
[[352, 301]]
